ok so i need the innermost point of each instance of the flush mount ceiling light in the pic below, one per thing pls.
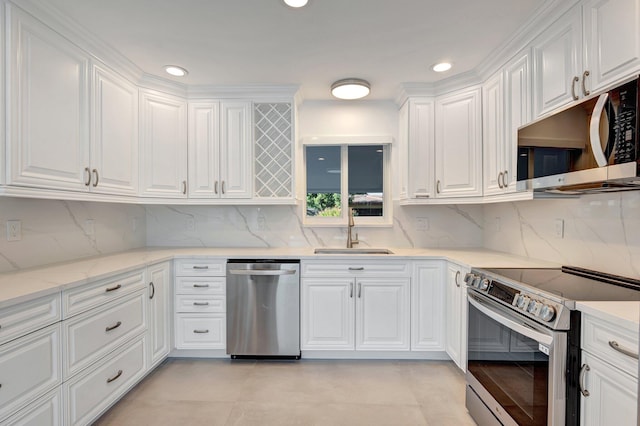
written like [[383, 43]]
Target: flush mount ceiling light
[[441, 67], [175, 70], [350, 88], [296, 3]]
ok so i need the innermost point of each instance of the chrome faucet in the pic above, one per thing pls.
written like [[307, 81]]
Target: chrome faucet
[[350, 241]]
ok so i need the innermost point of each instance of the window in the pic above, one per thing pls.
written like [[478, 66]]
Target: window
[[346, 176]]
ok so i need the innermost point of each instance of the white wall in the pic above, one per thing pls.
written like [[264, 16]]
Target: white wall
[[601, 232], [54, 231]]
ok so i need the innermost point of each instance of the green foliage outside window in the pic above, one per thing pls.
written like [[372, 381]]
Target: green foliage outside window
[[325, 204]]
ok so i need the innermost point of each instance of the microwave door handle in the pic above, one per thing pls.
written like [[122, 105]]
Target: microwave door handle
[[513, 325], [594, 130]]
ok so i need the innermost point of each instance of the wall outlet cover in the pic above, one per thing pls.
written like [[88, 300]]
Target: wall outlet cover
[[14, 230], [559, 228]]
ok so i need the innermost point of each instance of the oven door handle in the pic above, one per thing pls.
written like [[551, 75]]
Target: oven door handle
[[514, 325]]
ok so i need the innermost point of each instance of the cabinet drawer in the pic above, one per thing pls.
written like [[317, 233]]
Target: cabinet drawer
[[354, 268], [19, 320], [90, 336], [46, 411], [29, 368], [599, 337], [194, 331], [200, 285], [81, 299], [88, 395], [200, 303], [200, 267]]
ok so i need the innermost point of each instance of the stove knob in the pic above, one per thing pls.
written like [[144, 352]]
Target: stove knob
[[484, 284], [547, 313], [469, 277], [533, 306], [476, 281], [523, 302]]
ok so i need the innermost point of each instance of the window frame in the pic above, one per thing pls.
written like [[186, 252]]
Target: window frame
[[344, 142]]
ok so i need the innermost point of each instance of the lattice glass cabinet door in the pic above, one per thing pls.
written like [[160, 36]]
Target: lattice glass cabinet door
[[273, 150]]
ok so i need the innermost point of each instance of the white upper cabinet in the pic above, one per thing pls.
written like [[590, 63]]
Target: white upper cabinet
[[2, 100], [204, 150], [417, 148], [48, 113], [611, 40], [458, 146], [163, 139], [236, 154], [493, 142], [114, 138], [557, 63]]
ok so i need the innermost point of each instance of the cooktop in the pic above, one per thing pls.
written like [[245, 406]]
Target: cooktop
[[574, 284]]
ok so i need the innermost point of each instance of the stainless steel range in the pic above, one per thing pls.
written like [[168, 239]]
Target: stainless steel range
[[523, 341]]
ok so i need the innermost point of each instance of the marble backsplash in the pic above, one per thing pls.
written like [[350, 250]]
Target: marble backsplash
[[58, 231], [601, 232], [281, 226]]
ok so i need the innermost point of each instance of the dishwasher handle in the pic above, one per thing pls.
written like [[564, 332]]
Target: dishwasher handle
[[262, 272]]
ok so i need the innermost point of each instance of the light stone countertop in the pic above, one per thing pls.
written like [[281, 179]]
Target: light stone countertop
[[625, 314], [16, 287]]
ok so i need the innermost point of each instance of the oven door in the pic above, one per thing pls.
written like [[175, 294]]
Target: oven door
[[516, 367]]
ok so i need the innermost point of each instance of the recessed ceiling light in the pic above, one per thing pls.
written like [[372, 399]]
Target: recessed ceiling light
[[175, 70], [442, 67], [296, 3], [350, 88]]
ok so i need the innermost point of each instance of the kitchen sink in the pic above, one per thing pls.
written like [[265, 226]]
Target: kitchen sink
[[352, 251]]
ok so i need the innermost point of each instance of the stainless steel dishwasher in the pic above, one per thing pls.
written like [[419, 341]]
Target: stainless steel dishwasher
[[263, 308]]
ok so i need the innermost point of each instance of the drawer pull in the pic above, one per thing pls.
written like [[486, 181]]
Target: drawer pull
[[616, 346], [201, 331], [153, 290], [201, 286], [583, 371], [113, 327], [114, 288], [200, 267], [111, 379], [361, 268], [200, 303]]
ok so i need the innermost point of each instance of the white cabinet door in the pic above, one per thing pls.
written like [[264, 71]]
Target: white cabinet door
[[613, 395], [328, 314], [163, 139], [159, 303], [418, 148], [557, 63], [48, 115], [427, 300], [458, 151], [492, 134], [114, 138], [382, 314], [456, 315], [204, 150], [612, 40], [517, 112], [236, 153]]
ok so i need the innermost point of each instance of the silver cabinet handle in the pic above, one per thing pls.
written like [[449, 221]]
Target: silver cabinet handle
[[616, 346], [153, 290], [262, 272], [200, 303], [87, 174], [573, 88], [215, 187], [222, 186], [201, 286], [457, 278], [505, 181], [351, 290], [359, 290], [118, 374], [584, 83], [500, 185], [360, 268], [200, 267], [114, 288], [583, 372], [184, 186], [95, 173], [113, 327], [437, 187], [201, 331]]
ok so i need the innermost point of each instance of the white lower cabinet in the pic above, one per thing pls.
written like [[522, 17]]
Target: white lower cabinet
[[90, 393], [427, 300], [159, 313], [201, 331], [456, 314], [46, 411], [355, 313]]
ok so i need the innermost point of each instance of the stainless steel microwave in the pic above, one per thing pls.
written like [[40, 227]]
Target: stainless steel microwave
[[588, 147]]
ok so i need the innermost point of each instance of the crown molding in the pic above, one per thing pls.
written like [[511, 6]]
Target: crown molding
[[245, 91], [152, 82], [442, 87]]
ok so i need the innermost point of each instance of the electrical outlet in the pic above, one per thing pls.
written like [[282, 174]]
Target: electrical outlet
[[191, 224], [90, 227], [14, 230], [262, 223], [559, 228], [422, 224]]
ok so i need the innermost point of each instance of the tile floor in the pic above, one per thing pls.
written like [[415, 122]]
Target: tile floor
[[308, 392]]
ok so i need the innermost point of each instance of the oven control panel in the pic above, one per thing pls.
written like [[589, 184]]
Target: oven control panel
[[527, 303]]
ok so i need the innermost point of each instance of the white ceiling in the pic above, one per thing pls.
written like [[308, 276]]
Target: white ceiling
[[236, 42]]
